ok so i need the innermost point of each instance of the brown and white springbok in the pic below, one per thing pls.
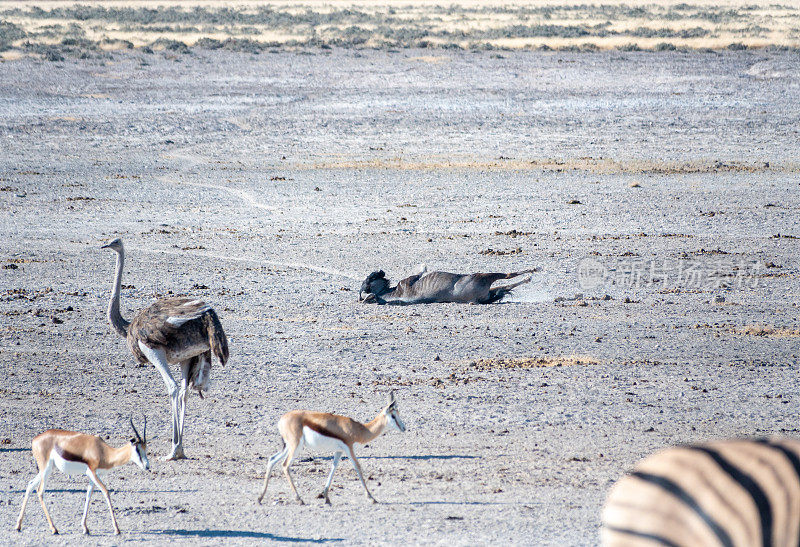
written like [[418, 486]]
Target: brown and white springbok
[[80, 454], [321, 431]]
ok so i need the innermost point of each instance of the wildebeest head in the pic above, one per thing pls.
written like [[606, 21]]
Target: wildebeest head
[[375, 283]]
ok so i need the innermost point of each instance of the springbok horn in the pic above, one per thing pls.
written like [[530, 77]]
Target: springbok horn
[[144, 430], [135, 432], [391, 397]]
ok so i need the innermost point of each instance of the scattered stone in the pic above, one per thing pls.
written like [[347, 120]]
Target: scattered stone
[[635, 184], [498, 252], [573, 202], [513, 233], [719, 299], [56, 320]]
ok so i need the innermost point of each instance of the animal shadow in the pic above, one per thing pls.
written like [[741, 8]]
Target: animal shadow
[[248, 534]]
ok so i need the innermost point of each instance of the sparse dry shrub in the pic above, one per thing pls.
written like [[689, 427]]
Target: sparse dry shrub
[[9, 33], [170, 45], [208, 43], [242, 45], [665, 46]]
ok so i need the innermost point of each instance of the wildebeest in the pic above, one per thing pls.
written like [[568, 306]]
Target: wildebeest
[[432, 287]]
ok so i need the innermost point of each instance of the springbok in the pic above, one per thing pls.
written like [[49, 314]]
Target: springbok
[[321, 431], [80, 454], [436, 287], [728, 492]]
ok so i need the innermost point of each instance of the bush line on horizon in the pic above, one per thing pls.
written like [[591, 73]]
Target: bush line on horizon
[[81, 48], [384, 27]]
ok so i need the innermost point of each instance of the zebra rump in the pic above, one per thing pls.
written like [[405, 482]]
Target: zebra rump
[[728, 492]]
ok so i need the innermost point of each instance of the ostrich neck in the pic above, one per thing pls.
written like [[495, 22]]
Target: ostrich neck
[[114, 316]]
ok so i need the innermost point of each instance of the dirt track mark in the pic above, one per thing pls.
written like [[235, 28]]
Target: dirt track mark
[[259, 261]]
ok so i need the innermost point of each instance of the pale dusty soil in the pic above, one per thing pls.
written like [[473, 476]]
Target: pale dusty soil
[[270, 185]]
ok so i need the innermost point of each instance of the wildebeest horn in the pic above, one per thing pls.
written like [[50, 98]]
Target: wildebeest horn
[[138, 438]]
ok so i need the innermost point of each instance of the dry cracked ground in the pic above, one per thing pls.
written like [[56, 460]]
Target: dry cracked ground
[[657, 193]]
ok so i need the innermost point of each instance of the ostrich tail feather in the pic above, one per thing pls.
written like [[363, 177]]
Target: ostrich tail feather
[[200, 373]]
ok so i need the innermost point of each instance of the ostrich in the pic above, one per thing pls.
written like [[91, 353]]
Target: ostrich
[[171, 331], [427, 287]]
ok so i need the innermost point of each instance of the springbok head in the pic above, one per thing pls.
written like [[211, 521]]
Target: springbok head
[[393, 420], [139, 443], [375, 283]]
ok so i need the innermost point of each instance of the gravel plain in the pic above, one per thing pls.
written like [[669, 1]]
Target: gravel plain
[[657, 192]]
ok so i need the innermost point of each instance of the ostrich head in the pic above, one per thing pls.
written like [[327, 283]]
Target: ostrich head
[[375, 284], [114, 245]]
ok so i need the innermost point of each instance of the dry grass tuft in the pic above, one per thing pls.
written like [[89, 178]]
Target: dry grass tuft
[[512, 363], [767, 330], [585, 164]]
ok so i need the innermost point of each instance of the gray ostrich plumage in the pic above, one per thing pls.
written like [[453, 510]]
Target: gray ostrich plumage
[[178, 330]]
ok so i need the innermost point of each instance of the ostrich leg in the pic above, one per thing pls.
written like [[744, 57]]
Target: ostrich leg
[[183, 394], [158, 358]]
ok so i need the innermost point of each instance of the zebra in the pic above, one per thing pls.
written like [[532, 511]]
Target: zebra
[[727, 492]]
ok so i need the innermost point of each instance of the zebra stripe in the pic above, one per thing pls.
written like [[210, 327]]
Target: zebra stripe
[[681, 494], [644, 535], [730, 493], [747, 482], [791, 456]]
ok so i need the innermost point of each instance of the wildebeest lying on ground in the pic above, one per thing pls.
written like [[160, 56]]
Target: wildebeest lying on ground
[[430, 287]]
